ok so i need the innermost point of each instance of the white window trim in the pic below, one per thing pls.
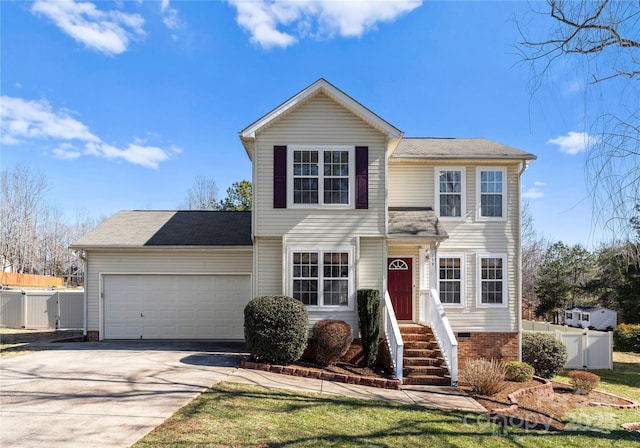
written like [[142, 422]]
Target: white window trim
[[463, 192], [505, 280], [463, 273], [321, 249], [479, 216], [321, 148]]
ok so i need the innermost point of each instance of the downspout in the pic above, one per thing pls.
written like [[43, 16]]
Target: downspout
[[84, 303], [523, 167]]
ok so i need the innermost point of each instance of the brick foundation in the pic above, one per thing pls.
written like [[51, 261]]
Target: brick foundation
[[93, 336], [501, 346]]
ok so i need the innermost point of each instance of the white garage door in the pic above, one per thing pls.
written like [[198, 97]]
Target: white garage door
[[175, 306]]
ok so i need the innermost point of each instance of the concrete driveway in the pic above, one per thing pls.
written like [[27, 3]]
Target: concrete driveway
[[104, 394]]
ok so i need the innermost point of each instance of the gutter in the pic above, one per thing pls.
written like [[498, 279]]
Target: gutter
[[523, 168], [84, 304]]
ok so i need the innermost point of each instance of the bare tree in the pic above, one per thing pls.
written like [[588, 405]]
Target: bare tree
[[534, 248], [604, 38], [21, 195], [203, 195]]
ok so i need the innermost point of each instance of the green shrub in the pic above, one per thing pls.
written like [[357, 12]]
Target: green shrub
[[486, 377], [517, 371], [369, 317], [276, 328], [544, 353], [583, 382], [626, 338], [332, 339]]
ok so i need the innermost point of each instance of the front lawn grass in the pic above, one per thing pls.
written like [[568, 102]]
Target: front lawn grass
[[624, 381], [238, 415]]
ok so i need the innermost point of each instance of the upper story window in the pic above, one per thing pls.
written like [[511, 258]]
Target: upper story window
[[450, 188], [491, 193], [321, 278], [321, 175], [492, 279], [451, 279]]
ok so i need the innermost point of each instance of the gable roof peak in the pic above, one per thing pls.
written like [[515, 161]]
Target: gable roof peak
[[247, 135]]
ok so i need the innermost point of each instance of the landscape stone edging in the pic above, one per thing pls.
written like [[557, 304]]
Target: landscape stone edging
[[326, 376], [546, 389]]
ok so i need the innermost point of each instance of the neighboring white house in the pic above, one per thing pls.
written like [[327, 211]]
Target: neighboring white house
[[341, 201], [596, 318]]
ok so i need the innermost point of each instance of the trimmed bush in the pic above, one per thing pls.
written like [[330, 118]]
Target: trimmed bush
[[369, 317], [276, 328], [332, 339], [583, 382], [626, 338], [517, 371], [486, 377], [544, 353]]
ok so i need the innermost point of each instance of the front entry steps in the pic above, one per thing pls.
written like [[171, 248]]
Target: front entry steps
[[423, 361]]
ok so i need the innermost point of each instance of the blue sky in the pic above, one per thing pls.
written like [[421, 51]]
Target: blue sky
[[121, 104]]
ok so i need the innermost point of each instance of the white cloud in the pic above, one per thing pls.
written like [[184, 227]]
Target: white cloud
[[108, 32], [574, 142], [170, 17], [315, 18], [533, 193], [22, 121], [66, 151], [35, 119]]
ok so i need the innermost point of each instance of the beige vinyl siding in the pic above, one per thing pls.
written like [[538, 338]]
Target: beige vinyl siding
[[410, 185], [371, 265], [268, 266], [413, 185], [238, 261], [319, 120]]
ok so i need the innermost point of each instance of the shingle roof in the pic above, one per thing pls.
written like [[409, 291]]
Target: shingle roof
[[415, 222], [457, 148], [147, 228]]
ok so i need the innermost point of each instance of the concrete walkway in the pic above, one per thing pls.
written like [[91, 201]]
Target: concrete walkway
[[110, 394]]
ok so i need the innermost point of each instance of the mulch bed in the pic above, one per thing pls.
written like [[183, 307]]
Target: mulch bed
[[542, 410]]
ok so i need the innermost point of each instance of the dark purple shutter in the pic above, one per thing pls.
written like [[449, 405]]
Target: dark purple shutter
[[279, 177], [362, 177]]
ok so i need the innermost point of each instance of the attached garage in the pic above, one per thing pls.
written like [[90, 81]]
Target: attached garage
[[168, 275], [174, 306]]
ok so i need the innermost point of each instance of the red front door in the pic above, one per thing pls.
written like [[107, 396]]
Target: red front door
[[400, 283]]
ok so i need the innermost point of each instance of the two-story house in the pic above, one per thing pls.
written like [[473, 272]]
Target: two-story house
[[341, 201]]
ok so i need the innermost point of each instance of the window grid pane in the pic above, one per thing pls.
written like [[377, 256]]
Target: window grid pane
[[305, 277], [336, 177], [491, 194], [491, 281], [336, 275], [305, 177], [450, 275], [451, 193]]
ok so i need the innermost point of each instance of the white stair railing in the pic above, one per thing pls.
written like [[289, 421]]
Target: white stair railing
[[393, 336], [432, 314]]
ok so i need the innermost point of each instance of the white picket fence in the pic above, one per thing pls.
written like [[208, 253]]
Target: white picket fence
[[586, 349], [35, 310]]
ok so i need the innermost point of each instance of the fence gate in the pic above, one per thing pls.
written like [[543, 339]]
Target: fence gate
[[42, 309]]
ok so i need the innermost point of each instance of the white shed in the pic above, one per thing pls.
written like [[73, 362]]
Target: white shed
[[596, 318]]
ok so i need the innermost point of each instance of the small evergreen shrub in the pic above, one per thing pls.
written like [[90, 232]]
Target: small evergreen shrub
[[626, 338], [544, 353], [517, 371], [583, 382], [369, 318], [486, 377], [276, 328], [332, 339]]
